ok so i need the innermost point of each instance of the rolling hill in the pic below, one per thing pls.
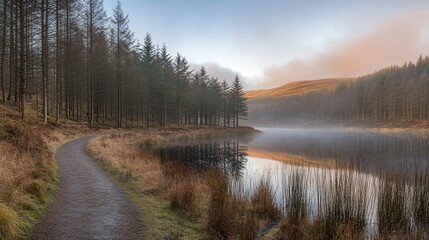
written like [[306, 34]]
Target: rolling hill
[[297, 88], [276, 106], [394, 96]]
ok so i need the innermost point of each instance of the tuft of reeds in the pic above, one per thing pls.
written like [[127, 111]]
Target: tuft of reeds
[[392, 212], [294, 196], [420, 200], [248, 226], [229, 214], [220, 218], [181, 185], [341, 206], [263, 200]]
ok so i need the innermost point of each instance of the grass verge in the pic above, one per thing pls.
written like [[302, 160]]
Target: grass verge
[[28, 170]]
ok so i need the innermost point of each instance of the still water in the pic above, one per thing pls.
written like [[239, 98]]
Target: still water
[[321, 155], [369, 152]]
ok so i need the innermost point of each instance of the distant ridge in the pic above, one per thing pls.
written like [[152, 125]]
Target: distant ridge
[[297, 88]]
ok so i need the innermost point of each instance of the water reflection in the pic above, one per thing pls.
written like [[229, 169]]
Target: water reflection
[[229, 155], [369, 151]]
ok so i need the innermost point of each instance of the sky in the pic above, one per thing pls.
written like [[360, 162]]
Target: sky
[[272, 42]]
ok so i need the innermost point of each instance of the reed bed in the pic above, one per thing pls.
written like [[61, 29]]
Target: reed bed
[[308, 203], [344, 204]]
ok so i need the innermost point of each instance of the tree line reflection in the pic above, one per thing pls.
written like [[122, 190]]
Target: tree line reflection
[[228, 155]]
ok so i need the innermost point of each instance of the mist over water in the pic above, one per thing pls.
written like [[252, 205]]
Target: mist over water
[[365, 151], [360, 160], [368, 151]]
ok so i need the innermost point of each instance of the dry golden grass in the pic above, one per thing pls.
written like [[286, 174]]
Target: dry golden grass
[[174, 200], [297, 88], [231, 214], [28, 172], [263, 201], [123, 154]]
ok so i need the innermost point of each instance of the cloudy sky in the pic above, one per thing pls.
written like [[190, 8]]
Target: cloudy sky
[[272, 42]]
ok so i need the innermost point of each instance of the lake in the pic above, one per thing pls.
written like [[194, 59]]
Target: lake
[[324, 163], [368, 152]]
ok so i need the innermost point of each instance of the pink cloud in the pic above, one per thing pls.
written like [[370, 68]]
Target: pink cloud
[[400, 40]]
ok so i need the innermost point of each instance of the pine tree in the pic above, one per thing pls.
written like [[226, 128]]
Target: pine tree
[[22, 74], [147, 58], [182, 77], [3, 50], [238, 101], [44, 12], [123, 41], [225, 109], [167, 77], [96, 18], [214, 97]]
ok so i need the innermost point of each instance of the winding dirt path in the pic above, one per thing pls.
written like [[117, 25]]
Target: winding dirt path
[[88, 204]]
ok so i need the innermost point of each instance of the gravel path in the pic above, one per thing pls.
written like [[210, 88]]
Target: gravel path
[[88, 204]]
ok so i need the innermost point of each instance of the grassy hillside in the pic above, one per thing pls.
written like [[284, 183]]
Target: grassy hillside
[[297, 88]]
